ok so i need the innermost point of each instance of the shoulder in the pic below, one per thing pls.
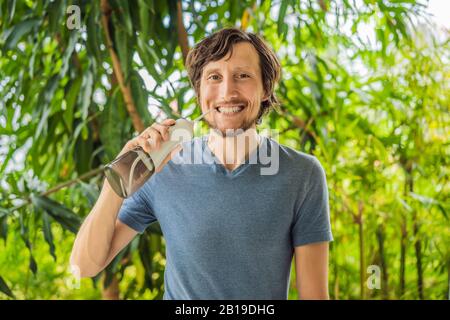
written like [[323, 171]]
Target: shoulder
[[297, 163]]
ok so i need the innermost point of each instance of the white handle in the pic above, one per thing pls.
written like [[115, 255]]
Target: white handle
[[181, 131]]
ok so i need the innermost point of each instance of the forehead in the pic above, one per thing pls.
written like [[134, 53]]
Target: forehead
[[244, 56]]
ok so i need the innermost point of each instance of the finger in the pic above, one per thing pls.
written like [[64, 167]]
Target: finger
[[154, 137], [163, 130], [168, 122], [144, 143], [144, 140], [133, 143]]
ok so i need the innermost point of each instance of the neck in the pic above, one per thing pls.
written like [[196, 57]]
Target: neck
[[234, 150]]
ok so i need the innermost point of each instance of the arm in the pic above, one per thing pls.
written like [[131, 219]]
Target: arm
[[101, 236], [311, 268]]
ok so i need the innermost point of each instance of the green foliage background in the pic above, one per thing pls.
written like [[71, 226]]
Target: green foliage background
[[365, 89]]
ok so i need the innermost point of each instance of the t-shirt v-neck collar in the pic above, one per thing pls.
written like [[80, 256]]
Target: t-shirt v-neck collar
[[251, 159]]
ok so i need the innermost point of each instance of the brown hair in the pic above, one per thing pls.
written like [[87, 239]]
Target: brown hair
[[218, 44]]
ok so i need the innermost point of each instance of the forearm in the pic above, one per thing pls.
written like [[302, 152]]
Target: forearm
[[93, 242], [312, 271], [312, 293]]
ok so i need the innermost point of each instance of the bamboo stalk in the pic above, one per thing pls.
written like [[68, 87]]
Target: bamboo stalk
[[335, 253], [418, 252], [404, 235], [448, 279], [138, 124], [299, 123], [182, 34], [417, 241], [362, 263], [384, 270], [111, 292]]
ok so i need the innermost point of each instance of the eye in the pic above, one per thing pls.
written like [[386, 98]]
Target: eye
[[244, 75], [214, 77]]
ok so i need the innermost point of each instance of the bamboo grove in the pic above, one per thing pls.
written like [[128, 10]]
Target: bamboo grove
[[364, 89]]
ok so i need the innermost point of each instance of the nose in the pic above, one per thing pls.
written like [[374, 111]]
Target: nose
[[228, 89]]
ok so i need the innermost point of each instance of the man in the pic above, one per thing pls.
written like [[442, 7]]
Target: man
[[230, 231]]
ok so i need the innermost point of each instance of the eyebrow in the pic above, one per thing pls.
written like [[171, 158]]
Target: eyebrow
[[239, 68]]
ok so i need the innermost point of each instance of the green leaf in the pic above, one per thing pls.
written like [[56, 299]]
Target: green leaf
[[85, 98], [31, 62], [126, 17], [122, 46], [24, 232], [155, 228], [93, 38], [90, 191], [48, 235], [32, 264], [71, 98], [5, 289], [6, 159], [140, 97], [144, 18], [11, 9], [4, 212], [110, 132], [281, 26], [68, 53], [43, 103], [427, 202], [111, 269], [404, 204], [16, 32], [60, 213], [380, 149], [145, 256], [56, 13], [83, 151], [149, 59], [4, 228]]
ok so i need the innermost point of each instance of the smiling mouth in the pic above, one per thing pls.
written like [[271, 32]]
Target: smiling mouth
[[230, 109]]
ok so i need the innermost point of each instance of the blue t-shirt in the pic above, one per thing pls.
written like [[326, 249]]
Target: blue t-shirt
[[232, 234]]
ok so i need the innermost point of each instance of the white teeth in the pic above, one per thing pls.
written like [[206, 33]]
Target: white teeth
[[230, 109]]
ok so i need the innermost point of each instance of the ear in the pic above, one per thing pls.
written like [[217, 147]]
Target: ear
[[265, 97]]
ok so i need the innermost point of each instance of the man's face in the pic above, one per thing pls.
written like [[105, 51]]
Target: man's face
[[233, 87]]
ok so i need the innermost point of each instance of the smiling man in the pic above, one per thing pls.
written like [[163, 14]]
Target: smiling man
[[231, 231]]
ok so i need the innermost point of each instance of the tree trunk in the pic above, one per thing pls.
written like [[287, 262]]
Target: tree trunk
[[362, 263], [418, 251], [448, 279], [335, 254], [417, 241], [404, 235], [182, 34], [384, 271], [112, 291], [336, 283]]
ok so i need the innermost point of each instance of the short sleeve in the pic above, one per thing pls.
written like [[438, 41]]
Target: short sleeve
[[312, 217], [136, 210]]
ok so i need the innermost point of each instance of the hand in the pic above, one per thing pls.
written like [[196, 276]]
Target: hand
[[151, 138]]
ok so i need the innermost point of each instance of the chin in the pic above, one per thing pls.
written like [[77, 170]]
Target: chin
[[235, 130]]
